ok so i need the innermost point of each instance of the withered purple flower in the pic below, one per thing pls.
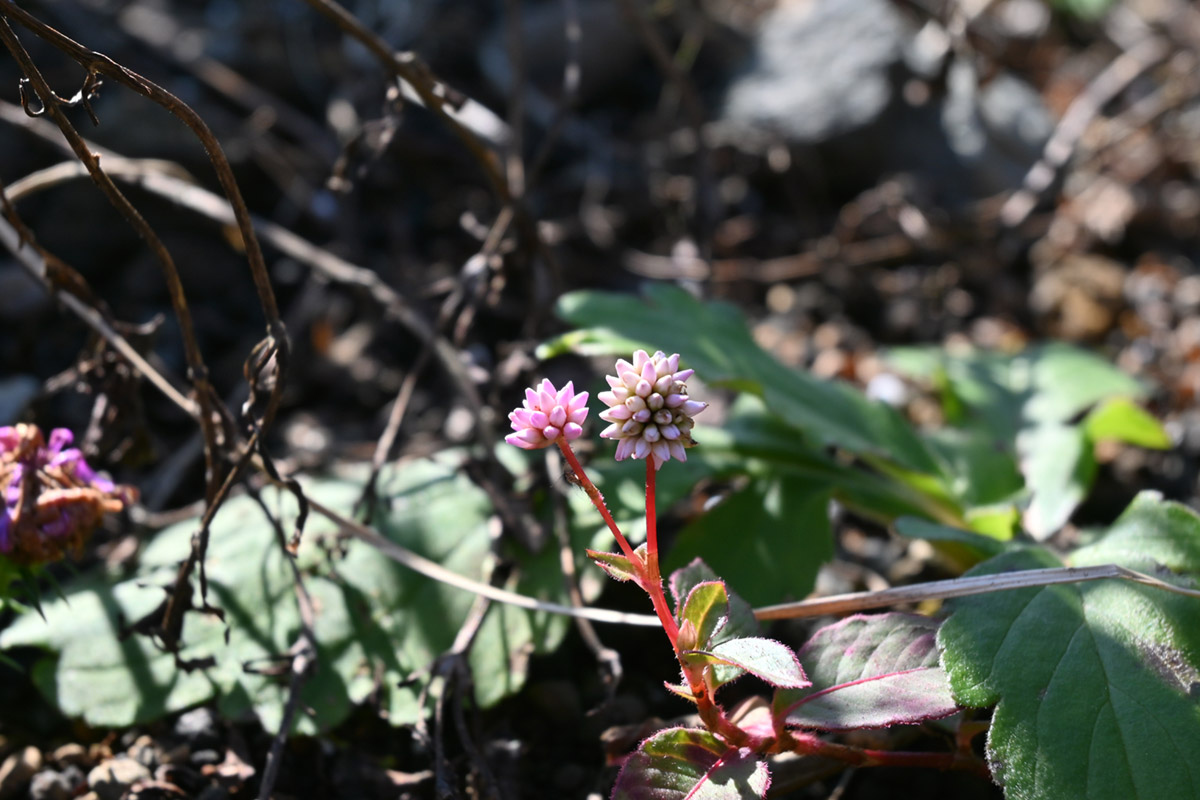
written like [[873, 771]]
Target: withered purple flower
[[52, 499], [649, 408]]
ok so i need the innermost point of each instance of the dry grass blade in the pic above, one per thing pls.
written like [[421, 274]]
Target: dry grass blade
[[961, 587]]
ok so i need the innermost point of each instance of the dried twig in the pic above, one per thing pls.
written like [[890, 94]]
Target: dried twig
[[694, 112], [961, 587], [1103, 88], [98, 64], [451, 681], [431, 569], [608, 658], [51, 105], [303, 655], [434, 95], [33, 261], [167, 180]]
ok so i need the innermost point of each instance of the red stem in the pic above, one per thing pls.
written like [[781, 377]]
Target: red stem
[[809, 744], [597, 500], [653, 584], [651, 514]]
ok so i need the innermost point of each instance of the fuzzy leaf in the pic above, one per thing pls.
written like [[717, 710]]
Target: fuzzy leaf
[[768, 659], [616, 565], [739, 621], [707, 604], [684, 579], [1096, 685], [869, 672], [690, 764], [714, 339], [373, 617]]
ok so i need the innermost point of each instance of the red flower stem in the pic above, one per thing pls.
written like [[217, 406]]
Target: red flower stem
[[598, 501], [651, 516], [647, 573], [810, 744], [653, 583]]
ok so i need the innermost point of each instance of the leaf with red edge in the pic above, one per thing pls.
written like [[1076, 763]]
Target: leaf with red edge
[[691, 764], [870, 672], [739, 618], [707, 604], [768, 659], [616, 565], [684, 579]]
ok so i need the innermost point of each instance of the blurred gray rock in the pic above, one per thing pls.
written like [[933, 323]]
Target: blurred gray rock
[[863, 92], [50, 785], [820, 68], [996, 131]]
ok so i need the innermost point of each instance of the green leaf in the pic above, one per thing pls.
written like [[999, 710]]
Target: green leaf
[[1034, 398], [768, 659], [982, 469], [1067, 381], [1059, 467], [758, 442], [769, 538], [1051, 383], [980, 546], [1152, 535], [739, 619], [706, 608], [377, 624], [869, 672], [684, 579], [1096, 685], [690, 764], [616, 565], [713, 339], [1122, 420]]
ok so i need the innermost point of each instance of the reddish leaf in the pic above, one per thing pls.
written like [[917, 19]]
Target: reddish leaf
[[616, 565], [870, 672], [707, 604], [690, 764], [770, 660]]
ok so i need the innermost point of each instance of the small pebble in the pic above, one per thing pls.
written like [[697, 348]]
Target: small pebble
[[198, 728], [50, 785], [17, 770], [72, 753], [145, 752], [113, 778]]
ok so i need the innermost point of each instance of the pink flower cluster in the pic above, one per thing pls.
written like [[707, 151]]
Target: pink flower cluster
[[547, 415], [649, 409]]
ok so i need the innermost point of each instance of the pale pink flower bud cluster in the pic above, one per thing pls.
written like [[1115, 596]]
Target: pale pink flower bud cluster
[[548, 414], [649, 409]]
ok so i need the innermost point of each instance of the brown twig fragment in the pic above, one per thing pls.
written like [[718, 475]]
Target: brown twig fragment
[[51, 105], [1106, 86]]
